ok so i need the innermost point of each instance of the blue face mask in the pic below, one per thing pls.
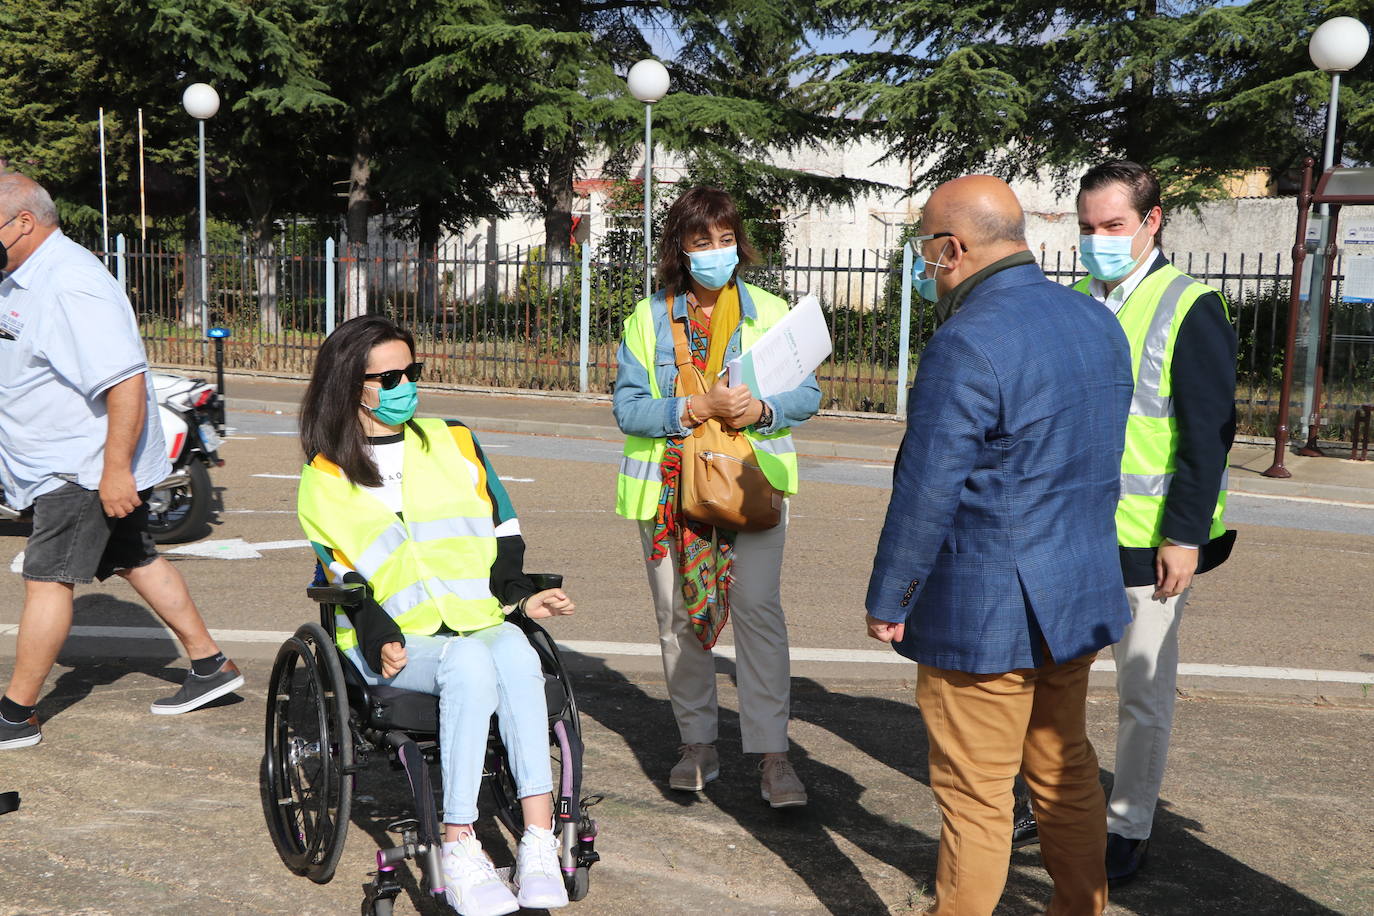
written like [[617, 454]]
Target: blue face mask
[[1108, 257], [925, 286], [396, 405], [713, 269]]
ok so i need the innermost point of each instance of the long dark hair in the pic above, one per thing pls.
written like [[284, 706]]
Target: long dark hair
[[330, 425], [696, 212]]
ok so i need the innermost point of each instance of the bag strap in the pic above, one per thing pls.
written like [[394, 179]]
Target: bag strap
[[688, 375]]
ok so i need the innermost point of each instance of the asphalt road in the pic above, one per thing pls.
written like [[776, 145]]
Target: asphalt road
[[1295, 595], [1267, 805]]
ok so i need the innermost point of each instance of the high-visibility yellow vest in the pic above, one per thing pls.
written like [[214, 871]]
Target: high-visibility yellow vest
[[640, 481], [431, 566], [1151, 317]]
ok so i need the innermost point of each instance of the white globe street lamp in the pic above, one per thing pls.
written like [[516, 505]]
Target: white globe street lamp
[[201, 102], [1338, 45], [648, 82]]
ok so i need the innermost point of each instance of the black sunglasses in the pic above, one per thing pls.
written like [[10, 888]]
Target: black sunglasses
[[392, 377]]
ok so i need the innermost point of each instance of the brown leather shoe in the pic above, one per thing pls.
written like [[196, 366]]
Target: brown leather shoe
[[780, 785], [699, 765]]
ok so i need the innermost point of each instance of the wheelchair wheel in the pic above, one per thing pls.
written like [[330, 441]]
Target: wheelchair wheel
[[500, 779], [308, 764], [503, 792], [579, 883], [382, 906]]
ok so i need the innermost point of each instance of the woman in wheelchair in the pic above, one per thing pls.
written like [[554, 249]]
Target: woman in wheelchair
[[413, 509]]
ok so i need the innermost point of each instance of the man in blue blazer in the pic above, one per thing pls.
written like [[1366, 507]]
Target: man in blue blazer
[[997, 568]]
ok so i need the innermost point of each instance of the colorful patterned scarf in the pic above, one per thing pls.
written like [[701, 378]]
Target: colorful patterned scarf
[[705, 553]]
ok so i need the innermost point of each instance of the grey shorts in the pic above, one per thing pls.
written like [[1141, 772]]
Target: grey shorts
[[74, 541]]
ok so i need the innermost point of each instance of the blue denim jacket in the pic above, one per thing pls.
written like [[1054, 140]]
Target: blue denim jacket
[[639, 413]]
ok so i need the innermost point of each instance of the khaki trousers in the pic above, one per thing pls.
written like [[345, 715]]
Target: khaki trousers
[[762, 664], [983, 728]]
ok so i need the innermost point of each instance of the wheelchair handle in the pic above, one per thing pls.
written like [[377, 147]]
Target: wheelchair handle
[[544, 581], [347, 595]]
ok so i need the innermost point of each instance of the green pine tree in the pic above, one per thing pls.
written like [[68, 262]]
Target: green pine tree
[[1198, 90]]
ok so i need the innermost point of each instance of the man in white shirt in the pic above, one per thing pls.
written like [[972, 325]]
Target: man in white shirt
[[1170, 515], [81, 444]]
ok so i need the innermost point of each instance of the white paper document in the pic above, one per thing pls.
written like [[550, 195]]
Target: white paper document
[[786, 354]]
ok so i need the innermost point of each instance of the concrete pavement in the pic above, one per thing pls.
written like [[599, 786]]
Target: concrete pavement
[[1334, 478], [1267, 809]]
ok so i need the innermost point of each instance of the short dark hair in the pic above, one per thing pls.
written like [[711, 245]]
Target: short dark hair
[[330, 425], [1141, 186], [697, 211]]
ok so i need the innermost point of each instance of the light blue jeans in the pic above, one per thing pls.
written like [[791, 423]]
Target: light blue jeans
[[490, 671]]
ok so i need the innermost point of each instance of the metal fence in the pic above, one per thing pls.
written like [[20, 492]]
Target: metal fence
[[512, 318]]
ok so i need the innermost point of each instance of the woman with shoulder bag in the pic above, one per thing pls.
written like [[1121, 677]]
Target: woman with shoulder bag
[[702, 573]]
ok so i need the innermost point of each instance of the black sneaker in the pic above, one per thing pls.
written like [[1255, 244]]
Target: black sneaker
[[197, 690], [1024, 830], [25, 734], [1124, 858]]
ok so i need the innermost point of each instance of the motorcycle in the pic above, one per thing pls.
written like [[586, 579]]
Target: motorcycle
[[191, 411], [192, 415]]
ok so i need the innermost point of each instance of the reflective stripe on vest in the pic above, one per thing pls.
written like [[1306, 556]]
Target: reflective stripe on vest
[[640, 480], [782, 445], [1146, 401], [637, 469], [1158, 484], [1150, 316], [431, 569]]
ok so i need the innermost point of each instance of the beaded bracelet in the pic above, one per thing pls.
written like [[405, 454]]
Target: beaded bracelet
[[692, 414]]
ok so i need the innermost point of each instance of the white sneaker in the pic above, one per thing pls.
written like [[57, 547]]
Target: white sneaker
[[473, 887], [538, 875]]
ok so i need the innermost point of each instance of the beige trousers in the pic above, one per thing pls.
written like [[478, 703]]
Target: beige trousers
[[762, 666], [983, 728], [1146, 682]]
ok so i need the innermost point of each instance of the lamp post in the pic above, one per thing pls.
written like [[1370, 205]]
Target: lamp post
[[1336, 46], [201, 102], [648, 82]]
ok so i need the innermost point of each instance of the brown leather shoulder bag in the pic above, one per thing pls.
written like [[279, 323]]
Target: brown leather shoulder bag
[[721, 483]]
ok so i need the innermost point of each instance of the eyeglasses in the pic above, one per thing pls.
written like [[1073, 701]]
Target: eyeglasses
[[392, 377], [939, 235]]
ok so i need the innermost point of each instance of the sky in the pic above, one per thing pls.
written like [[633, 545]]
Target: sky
[[665, 41]]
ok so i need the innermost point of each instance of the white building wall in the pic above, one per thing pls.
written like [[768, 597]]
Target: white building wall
[[1255, 227]]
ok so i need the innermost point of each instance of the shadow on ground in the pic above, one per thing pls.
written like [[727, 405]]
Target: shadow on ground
[[1185, 875], [160, 658]]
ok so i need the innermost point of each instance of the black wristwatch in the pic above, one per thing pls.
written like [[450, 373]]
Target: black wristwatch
[[765, 419]]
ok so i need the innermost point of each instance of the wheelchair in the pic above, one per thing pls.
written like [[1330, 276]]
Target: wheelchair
[[324, 721]]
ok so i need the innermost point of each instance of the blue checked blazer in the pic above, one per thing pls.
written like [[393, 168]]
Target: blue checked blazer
[[1001, 532]]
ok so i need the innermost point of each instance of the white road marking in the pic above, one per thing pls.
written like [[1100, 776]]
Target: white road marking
[[239, 437], [233, 549], [280, 545], [17, 566], [516, 479], [1301, 499], [880, 467], [280, 476], [847, 656], [228, 549]]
